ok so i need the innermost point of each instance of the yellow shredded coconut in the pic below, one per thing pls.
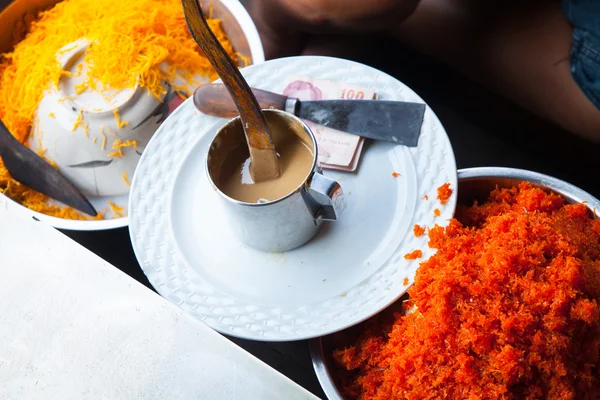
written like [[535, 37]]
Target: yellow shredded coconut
[[120, 124], [86, 129], [105, 128], [117, 210], [103, 146], [51, 115], [118, 146], [143, 42], [125, 179], [78, 121]]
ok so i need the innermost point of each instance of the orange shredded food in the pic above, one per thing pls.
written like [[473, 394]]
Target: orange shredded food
[[426, 197], [395, 174], [405, 282], [413, 255], [418, 230], [506, 309], [143, 42], [443, 193], [436, 212]]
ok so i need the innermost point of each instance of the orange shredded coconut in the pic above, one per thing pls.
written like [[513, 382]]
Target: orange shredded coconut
[[436, 212], [395, 174], [426, 197], [443, 193], [143, 42], [124, 176], [414, 255], [506, 309], [418, 230], [405, 282]]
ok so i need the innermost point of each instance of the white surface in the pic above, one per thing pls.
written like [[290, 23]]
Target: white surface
[[101, 203], [75, 327], [354, 268]]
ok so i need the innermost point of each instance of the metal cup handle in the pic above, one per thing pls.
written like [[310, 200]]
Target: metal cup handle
[[324, 198]]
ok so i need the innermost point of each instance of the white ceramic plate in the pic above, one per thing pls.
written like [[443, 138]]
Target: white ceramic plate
[[354, 268], [101, 203]]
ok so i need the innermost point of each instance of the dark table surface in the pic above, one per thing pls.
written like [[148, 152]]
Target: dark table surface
[[484, 130]]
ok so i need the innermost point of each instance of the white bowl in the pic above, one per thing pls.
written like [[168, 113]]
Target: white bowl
[[83, 156]]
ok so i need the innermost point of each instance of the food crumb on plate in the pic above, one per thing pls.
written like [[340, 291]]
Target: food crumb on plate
[[418, 230], [413, 255], [444, 193]]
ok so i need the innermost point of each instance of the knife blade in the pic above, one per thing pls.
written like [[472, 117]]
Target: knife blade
[[26, 167], [393, 121]]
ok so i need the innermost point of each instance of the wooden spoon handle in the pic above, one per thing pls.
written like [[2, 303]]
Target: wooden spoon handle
[[214, 99], [254, 122]]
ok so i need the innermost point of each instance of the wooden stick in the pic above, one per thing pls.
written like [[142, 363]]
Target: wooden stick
[[264, 162]]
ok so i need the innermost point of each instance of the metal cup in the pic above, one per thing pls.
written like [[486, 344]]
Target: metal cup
[[290, 221]]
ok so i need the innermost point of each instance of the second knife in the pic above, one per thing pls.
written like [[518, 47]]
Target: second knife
[[394, 121]]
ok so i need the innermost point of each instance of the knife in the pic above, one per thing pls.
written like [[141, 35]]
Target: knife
[[33, 171], [394, 121]]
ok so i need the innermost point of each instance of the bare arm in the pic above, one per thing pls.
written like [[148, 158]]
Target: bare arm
[[285, 26]]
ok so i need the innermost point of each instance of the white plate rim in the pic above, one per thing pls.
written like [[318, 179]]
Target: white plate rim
[[446, 213]]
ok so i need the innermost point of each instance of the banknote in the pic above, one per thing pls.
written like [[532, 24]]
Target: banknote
[[337, 150]]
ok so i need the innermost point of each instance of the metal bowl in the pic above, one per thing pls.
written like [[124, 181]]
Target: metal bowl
[[473, 184], [237, 24]]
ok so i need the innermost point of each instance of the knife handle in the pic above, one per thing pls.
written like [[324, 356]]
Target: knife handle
[[214, 99]]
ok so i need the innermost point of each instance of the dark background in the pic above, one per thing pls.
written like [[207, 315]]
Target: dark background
[[484, 130]]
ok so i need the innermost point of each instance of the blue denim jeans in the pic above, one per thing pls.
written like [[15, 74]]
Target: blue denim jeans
[[585, 53]]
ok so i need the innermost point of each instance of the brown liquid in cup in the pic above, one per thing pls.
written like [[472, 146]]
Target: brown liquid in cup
[[296, 157]]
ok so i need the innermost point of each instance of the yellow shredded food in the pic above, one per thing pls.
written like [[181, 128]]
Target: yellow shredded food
[[120, 124], [117, 210], [103, 146], [124, 176], [119, 145], [143, 42], [105, 128], [78, 121]]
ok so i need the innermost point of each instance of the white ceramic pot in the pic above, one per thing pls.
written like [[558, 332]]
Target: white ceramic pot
[[95, 137]]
